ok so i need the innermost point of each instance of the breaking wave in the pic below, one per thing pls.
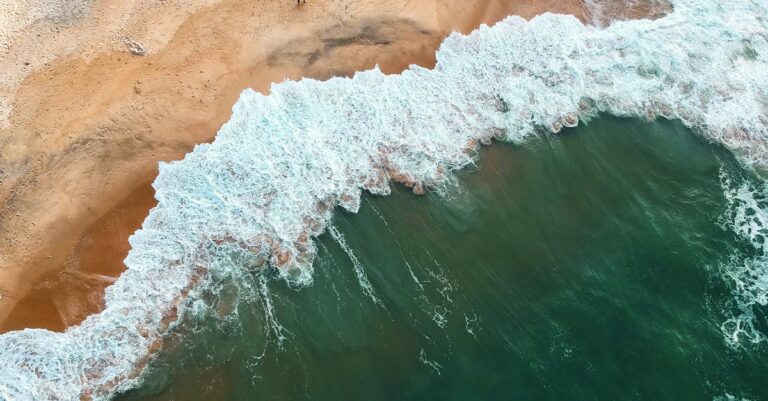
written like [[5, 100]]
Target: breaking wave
[[256, 197]]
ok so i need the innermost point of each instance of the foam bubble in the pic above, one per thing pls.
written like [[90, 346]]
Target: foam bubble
[[257, 196]]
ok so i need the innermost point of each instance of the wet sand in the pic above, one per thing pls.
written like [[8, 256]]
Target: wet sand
[[90, 121], [65, 296]]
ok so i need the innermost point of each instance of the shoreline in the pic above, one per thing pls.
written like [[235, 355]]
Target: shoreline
[[65, 296], [158, 251], [141, 110]]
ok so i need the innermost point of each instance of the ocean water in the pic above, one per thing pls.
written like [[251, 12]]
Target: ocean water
[[587, 265], [268, 199]]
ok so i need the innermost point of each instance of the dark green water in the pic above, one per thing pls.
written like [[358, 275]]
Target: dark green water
[[577, 267]]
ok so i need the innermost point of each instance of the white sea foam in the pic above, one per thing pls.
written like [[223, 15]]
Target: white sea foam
[[747, 276], [268, 183], [362, 276]]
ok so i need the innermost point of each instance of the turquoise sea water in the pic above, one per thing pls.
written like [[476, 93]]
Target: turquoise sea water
[[590, 265]]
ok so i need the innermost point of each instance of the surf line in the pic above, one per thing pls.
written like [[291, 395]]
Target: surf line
[[268, 185]]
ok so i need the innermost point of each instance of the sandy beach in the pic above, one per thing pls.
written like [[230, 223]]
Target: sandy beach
[[96, 94]]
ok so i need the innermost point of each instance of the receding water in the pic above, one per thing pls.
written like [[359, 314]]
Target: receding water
[[584, 266]]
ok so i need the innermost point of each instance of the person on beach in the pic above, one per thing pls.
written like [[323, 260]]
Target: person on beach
[[298, 2]]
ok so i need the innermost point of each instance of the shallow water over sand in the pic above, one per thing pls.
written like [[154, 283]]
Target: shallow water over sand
[[588, 265]]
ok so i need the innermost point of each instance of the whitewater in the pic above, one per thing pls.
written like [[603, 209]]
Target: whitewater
[[255, 198]]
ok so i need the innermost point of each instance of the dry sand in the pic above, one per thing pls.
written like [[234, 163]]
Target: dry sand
[[84, 122]]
